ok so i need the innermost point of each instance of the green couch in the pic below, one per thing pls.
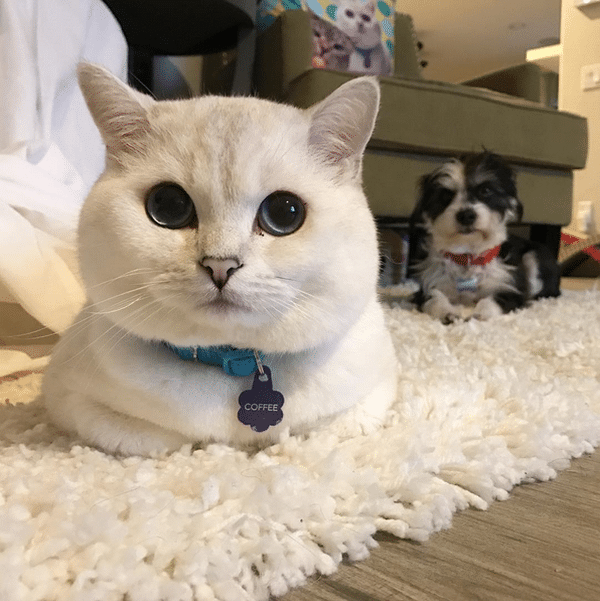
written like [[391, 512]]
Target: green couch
[[422, 123], [526, 81]]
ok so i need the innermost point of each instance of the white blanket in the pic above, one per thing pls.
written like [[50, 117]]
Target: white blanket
[[50, 149]]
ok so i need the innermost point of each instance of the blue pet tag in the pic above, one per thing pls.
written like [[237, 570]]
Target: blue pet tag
[[260, 407], [467, 284]]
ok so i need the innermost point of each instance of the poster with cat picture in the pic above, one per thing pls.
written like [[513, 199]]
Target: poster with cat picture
[[347, 35]]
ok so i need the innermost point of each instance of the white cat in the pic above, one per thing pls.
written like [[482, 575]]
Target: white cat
[[356, 18], [224, 221]]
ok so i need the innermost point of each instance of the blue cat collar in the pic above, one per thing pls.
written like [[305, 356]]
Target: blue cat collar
[[366, 55], [234, 361]]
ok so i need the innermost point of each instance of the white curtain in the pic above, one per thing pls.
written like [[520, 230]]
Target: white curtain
[[50, 150]]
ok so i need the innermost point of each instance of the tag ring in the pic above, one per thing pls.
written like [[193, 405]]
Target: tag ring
[[262, 376]]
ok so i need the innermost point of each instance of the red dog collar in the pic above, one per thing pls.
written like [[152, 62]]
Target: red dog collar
[[467, 259]]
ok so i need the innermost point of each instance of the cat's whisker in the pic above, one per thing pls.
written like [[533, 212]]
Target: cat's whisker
[[31, 334], [128, 274], [80, 323], [35, 334], [119, 307], [122, 331], [158, 309], [88, 321], [280, 307], [139, 83], [125, 293], [316, 303], [120, 334], [273, 311], [80, 326], [132, 325], [85, 323]]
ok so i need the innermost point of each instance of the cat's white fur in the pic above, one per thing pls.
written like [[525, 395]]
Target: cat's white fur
[[307, 300]]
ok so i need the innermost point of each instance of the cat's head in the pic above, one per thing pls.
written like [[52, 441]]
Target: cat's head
[[328, 39], [356, 18], [229, 220]]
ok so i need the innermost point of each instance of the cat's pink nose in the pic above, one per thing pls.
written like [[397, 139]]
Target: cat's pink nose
[[220, 270]]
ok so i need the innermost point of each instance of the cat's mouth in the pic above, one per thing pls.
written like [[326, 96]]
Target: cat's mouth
[[222, 305]]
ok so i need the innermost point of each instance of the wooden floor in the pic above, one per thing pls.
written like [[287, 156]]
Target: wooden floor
[[543, 543]]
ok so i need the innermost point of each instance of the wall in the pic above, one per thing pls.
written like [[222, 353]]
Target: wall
[[580, 37]]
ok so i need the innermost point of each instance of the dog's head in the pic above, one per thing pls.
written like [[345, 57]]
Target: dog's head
[[466, 204]]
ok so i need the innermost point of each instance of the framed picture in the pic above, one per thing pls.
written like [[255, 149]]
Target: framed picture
[[348, 35]]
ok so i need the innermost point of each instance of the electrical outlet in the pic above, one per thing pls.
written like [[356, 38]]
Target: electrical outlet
[[590, 77], [585, 216]]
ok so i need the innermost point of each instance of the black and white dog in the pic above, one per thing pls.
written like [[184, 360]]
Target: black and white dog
[[465, 261]]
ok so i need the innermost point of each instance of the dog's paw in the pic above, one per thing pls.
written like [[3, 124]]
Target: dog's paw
[[486, 309], [450, 318], [439, 307]]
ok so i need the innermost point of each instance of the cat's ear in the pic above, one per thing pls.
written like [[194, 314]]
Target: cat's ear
[[118, 110], [342, 124]]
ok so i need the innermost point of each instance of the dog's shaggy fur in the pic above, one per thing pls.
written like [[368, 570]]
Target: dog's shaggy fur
[[461, 253]]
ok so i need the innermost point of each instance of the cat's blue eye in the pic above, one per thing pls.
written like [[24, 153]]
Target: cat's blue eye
[[281, 214], [170, 206]]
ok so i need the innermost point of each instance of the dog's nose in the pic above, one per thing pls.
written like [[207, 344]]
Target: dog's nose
[[466, 216], [220, 270]]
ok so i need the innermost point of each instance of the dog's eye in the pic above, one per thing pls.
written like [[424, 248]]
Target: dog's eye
[[446, 196], [281, 214], [484, 191]]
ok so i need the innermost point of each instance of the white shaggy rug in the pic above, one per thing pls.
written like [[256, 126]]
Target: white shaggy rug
[[481, 408]]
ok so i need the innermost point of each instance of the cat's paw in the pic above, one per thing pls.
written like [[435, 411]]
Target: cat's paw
[[355, 422], [114, 432], [135, 437], [369, 415], [147, 444]]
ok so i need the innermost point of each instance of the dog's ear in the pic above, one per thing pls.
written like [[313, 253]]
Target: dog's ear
[[424, 189], [516, 210], [417, 233], [507, 179]]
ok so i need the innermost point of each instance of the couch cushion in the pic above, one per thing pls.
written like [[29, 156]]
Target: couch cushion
[[448, 119], [391, 180], [524, 81]]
